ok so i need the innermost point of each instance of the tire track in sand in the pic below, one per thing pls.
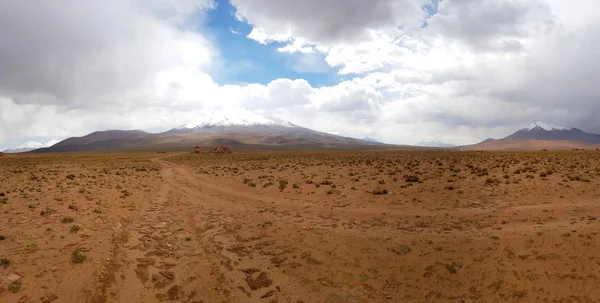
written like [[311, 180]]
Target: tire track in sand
[[158, 259]]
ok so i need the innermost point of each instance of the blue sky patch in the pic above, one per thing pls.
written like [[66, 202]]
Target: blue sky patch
[[431, 9], [244, 60]]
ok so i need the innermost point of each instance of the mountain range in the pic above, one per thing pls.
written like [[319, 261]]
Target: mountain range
[[541, 135], [244, 129], [238, 129]]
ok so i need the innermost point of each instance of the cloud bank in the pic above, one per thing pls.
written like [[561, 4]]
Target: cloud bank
[[473, 69]]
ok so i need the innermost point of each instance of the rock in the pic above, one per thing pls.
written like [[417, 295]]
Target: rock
[[12, 277], [48, 298], [268, 294], [24, 299], [258, 282], [173, 293], [401, 249], [85, 248], [160, 225]]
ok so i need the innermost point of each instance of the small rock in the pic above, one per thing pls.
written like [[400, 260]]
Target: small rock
[[48, 298], [85, 249], [268, 294], [160, 225], [12, 277], [401, 249], [258, 282], [173, 293]]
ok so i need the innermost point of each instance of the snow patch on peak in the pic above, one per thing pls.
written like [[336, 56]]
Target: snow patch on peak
[[432, 142], [369, 139], [29, 145], [546, 127], [234, 117]]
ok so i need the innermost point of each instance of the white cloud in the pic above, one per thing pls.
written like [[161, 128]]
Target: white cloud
[[492, 25], [35, 144], [299, 45], [264, 38], [484, 65], [91, 54]]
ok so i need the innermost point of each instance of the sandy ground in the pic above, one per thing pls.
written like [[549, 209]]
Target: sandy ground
[[301, 227]]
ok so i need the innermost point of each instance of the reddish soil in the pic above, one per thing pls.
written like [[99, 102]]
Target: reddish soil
[[530, 145], [300, 227]]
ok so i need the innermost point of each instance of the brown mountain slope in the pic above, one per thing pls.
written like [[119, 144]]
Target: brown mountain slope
[[540, 135], [135, 141], [508, 144]]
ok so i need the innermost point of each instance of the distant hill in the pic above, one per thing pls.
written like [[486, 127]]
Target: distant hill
[[541, 135], [434, 143], [551, 132], [18, 150]]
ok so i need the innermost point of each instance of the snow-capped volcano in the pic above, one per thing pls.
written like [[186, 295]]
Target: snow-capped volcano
[[236, 128], [539, 125], [433, 143], [369, 139], [552, 132], [28, 146], [238, 117]]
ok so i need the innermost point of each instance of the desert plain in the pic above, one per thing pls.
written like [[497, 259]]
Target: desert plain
[[332, 227]]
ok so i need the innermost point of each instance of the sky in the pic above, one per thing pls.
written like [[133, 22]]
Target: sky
[[399, 71]]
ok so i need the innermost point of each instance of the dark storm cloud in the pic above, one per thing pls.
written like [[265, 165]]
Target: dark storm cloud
[[491, 25], [71, 52], [329, 21]]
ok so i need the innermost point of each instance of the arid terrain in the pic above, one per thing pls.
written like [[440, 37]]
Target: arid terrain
[[332, 227]]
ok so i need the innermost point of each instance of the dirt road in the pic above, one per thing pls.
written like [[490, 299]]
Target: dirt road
[[197, 241]]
